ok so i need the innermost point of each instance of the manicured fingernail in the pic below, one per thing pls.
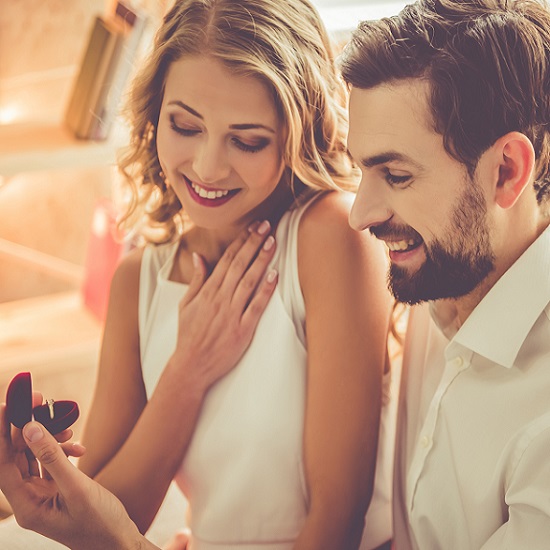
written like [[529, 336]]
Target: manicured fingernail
[[271, 275], [196, 260], [252, 227], [33, 432], [269, 242], [263, 227]]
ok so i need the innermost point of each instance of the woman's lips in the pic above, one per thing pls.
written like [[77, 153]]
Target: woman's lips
[[208, 196]]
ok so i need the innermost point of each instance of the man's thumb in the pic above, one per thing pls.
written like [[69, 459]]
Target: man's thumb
[[33, 432], [44, 447]]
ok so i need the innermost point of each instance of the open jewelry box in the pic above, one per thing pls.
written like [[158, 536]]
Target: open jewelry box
[[55, 416]]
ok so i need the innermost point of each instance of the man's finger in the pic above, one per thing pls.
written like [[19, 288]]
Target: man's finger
[[64, 436], [75, 450], [33, 466], [52, 457], [37, 399], [179, 541], [5, 432], [10, 475]]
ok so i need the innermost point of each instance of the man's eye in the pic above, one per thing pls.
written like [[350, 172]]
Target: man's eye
[[393, 179]]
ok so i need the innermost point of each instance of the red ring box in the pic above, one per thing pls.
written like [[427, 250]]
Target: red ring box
[[20, 411]]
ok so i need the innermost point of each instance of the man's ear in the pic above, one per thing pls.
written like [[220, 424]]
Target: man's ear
[[515, 158]]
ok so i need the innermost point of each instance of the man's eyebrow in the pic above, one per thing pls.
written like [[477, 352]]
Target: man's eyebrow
[[186, 107], [383, 158]]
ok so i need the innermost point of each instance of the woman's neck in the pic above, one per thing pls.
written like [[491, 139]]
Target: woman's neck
[[212, 243]]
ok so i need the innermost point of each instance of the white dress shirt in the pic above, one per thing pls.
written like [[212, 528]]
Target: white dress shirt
[[472, 465]]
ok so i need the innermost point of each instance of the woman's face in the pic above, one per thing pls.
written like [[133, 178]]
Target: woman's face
[[219, 142]]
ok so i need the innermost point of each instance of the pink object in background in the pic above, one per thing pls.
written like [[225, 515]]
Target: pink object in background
[[105, 249]]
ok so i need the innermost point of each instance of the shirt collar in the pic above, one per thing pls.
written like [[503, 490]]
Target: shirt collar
[[498, 326]]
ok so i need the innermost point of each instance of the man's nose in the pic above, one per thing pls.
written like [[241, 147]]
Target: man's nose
[[370, 207], [210, 163]]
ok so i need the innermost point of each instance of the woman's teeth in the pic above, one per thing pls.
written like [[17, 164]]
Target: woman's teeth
[[203, 193], [400, 246]]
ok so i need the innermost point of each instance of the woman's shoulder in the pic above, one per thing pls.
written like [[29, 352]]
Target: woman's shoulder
[[327, 243], [148, 257], [130, 264], [326, 205], [325, 223], [126, 276]]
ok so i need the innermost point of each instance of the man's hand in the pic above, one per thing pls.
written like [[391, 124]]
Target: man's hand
[[56, 499], [179, 541]]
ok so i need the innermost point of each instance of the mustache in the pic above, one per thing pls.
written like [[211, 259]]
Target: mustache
[[390, 231]]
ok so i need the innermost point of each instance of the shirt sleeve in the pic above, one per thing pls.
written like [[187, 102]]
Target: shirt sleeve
[[527, 497]]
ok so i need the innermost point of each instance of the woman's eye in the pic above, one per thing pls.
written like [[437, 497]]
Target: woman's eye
[[393, 179], [247, 148], [182, 131]]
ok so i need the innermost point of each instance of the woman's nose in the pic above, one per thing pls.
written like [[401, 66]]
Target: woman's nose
[[210, 163]]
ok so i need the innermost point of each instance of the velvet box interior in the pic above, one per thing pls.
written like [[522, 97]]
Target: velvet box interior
[[20, 410]]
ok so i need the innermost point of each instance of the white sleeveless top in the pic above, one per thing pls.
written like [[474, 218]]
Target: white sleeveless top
[[243, 473]]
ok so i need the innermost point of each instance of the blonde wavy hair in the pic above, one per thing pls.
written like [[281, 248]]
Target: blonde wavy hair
[[283, 43]]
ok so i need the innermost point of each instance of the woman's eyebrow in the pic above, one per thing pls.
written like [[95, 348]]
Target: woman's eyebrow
[[186, 107], [252, 127]]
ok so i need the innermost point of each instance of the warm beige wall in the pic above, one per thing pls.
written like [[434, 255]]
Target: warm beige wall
[[40, 35], [41, 45], [50, 211], [41, 42]]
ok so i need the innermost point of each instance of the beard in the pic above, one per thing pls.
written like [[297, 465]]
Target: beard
[[455, 264]]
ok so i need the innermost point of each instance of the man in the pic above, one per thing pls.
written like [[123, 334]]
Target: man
[[450, 123], [450, 113]]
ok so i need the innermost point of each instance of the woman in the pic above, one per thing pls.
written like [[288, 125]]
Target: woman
[[261, 399]]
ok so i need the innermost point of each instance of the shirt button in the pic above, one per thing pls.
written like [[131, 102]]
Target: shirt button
[[425, 441], [458, 362]]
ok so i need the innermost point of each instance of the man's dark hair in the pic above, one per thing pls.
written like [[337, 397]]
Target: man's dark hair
[[487, 63]]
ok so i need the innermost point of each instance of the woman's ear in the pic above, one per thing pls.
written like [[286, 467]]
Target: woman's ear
[[515, 157]]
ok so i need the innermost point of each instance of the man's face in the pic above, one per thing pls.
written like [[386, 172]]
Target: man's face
[[416, 197]]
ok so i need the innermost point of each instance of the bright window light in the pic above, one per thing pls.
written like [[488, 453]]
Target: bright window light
[[344, 16], [9, 114]]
